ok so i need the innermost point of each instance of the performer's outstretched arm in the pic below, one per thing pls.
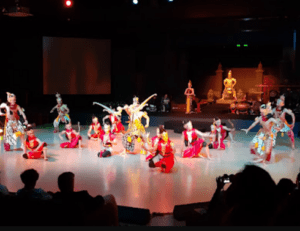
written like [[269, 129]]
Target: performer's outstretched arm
[[290, 112], [104, 118], [206, 135], [252, 125], [53, 109], [89, 131], [62, 133], [147, 119]]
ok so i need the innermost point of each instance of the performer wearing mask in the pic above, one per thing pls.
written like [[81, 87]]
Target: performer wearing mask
[[63, 115], [13, 126]]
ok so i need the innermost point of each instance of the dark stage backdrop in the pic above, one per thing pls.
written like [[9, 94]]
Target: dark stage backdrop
[[76, 66]]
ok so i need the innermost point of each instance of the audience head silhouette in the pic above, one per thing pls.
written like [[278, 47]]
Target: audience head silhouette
[[66, 182], [29, 178]]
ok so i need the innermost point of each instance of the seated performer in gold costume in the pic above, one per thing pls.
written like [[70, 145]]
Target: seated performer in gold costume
[[229, 83]]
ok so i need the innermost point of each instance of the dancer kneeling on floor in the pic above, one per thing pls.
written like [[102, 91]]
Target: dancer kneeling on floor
[[193, 143], [107, 140], [37, 148], [162, 155], [96, 127], [71, 135]]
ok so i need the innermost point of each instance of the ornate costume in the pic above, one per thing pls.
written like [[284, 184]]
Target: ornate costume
[[96, 127], [193, 142], [135, 126], [229, 84], [63, 115], [220, 133], [36, 148], [189, 92], [164, 151], [73, 138], [283, 126], [13, 126], [107, 140], [261, 144]]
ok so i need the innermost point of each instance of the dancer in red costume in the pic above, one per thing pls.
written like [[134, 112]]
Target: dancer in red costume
[[116, 125], [193, 143], [96, 127], [71, 135], [36, 148], [220, 134], [13, 126], [107, 141], [164, 150]]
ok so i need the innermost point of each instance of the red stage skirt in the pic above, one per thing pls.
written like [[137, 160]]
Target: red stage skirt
[[119, 128], [37, 153], [72, 144], [194, 150], [168, 161]]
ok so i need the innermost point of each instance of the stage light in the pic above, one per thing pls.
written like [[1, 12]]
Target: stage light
[[170, 0], [135, 2], [68, 3], [238, 45], [245, 45]]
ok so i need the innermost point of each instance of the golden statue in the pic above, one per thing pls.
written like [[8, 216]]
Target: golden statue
[[229, 83]]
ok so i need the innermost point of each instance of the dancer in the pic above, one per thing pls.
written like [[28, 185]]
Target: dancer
[[107, 140], [96, 127], [115, 121], [193, 143], [189, 92], [283, 126], [261, 145], [220, 133], [71, 135], [36, 148], [13, 126], [164, 150], [136, 130], [63, 115]]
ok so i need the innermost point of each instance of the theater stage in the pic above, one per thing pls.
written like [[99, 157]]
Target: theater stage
[[130, 179]]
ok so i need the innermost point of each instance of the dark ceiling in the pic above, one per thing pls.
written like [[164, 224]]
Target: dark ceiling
[[188, 16]]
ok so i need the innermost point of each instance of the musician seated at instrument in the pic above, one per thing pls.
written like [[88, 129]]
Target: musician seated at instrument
[[165, 103]]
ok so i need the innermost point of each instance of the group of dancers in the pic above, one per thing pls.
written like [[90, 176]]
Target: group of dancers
[[159, 150]]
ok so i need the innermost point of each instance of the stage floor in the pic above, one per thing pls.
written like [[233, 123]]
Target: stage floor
[[130, 179]]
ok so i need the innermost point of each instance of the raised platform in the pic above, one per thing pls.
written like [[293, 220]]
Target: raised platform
[[225, 101]]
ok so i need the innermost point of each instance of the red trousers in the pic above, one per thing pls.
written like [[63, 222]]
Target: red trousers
[[74, 142], [36, 154], [168, 161]]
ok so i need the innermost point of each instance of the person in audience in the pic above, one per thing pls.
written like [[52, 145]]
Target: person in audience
[[29, 178], [3, 190], [165, 103], [103, 209]]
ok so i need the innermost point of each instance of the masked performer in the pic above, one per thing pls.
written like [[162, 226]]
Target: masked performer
[[193, 143], [13, 127], [36, 148], [63, 115], [162, 155], [96, 127], [71, 135], [115, 121], [189, 92], [283, 126], [261, 144], [220, 132], [107, 141], [135, 127]]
